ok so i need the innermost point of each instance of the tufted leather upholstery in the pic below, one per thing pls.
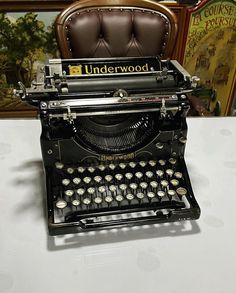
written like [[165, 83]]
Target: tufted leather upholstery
[[116, 28]]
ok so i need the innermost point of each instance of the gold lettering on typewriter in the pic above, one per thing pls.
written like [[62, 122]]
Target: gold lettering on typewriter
[[90, 69], [75, 70], [117, 157]]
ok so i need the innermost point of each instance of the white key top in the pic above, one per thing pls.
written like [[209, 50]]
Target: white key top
[[133, 186], [98, 179], [139, 175], [87, 180], [76, 180], [119, 198], [101, 189], [143, 185], [161, 193], [86, 200], [130, 196], [70, 170], [123, 187], [150, 194], [108, 178], [91, 169], [119, 177], [98, 200], [61, 204], [59, 165], [140, 195], [75, 202], [129, 175], [80, 191], [81, 169], [91, 190], [65, 182], [153, 184], [69, 192]]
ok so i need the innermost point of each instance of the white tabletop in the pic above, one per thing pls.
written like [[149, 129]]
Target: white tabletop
[[186, 257]]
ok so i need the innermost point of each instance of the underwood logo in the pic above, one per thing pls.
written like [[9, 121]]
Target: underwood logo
[[90, 69]]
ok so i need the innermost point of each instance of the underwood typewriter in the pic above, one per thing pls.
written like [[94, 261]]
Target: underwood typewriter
[[113, 142]]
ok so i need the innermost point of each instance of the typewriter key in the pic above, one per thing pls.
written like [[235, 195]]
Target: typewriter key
[[119, 177], [119, 198], [152, 163], [140, 195], [133, 186], [91, 190], [171, 193], [101, 167], [174, 182], [159, 173], [160, 193], [65, 182], [69, 192], [81, 169], [59, 165], [129, 175], [172, 161], [139, 175], [98, 179], [112, 166], [70, 170], [98, 200], [149, 174], [123, 187], [76, 180], [142, 163], [86, 201], [108, 199], [143, 185], [75, 202], [132, 164], [87, 180], [181, 191], [80, 191], [91, 169], [169, 172], [164, 183], [178, 175], [61, 204], [108, 178], [112, 188], [153, 184], [162, 162], [130, 196], [150, 194], [101, 189], [122, 165]]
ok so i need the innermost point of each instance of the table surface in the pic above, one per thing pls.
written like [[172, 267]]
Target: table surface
[[187, 257]]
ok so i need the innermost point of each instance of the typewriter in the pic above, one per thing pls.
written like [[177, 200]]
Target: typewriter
[[113, 141]]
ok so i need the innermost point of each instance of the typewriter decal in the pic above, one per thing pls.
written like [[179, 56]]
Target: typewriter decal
[[113, 143]]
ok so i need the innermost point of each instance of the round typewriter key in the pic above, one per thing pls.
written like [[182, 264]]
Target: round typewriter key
[[91, 169], [129, 175], [143, 185], [142, 163], [80, 191], [69, 192], [61, 204], [152, 163], [164, 183], [76, 180], [101, 189], [112, 166], [133, 186], [118, 177], [172, 161], [70, 170], [65, 182], [119, 198], [132, 164], [86, 200], [181, 191], [169, 172], [153, 184], [178, 175], [91, 190], [112, 188], [171, 193], [98, 200], [75, 202], [108, 178], [161, 193], [122, 165], [150, 194], [101, 167], [81, 169], [108, 199], [162, 162], [149, 174], [159, 173], [123, 187], [130, 196], [174, 182], [98, 179], [140, 195], [59, 165], [87, 180], [139, 175]]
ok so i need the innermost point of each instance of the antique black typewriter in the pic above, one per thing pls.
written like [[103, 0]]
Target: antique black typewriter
[[113, 142]]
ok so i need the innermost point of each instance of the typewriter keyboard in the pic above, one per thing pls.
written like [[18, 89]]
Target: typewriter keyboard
[[128, 186]]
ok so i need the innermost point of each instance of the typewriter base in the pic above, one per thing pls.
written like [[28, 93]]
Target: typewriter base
[[127, 213]]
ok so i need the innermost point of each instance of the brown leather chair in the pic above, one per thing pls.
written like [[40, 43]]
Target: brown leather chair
[[116, 28]]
